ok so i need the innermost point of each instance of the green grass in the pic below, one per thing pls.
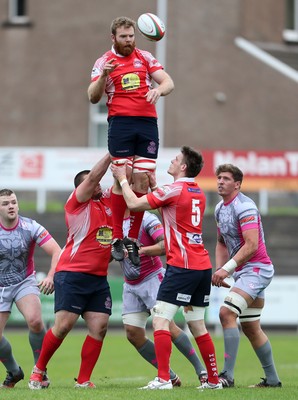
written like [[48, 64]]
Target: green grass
[[120, 371], [51, 206]]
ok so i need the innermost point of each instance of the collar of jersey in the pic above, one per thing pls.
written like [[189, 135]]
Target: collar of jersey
[[185, 179]]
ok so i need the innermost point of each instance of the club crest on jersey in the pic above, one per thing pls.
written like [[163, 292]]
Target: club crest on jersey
[[152, 148], [137, 63], [104, 235], [108, 211], [108, 303]]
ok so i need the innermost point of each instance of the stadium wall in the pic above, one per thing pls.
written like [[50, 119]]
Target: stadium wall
[[223, 96]]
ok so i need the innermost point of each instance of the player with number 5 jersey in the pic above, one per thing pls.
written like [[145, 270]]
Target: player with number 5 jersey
[[182, 204], [187, 280]]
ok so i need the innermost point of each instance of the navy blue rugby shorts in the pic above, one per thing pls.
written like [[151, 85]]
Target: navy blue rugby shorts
[[133, 136], [78, 292], [185, 287]]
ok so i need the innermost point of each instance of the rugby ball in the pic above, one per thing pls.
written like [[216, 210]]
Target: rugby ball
[[151, 27]]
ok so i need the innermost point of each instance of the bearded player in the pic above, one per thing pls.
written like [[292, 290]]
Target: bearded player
[[125, 73]]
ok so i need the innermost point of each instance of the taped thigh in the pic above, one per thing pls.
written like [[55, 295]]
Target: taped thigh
[[196, 314], [122, 160], [250, 314], [136, 319], [143, 164], [164, 310], [235, 303]]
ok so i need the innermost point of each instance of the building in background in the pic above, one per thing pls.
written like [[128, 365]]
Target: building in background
[[225, 97]]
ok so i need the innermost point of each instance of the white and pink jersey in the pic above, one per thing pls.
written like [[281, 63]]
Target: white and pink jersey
[[183, 206], [88, 245], [128, 84], [17, 249], [235, 217], [151, 229]]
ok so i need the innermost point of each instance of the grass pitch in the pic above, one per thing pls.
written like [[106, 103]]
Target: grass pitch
[[120, 371]]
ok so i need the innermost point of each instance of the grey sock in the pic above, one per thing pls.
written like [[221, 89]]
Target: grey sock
[[185, 346], [265, 356], [35, 340], [7, 358], [147, 351], [231, 341]]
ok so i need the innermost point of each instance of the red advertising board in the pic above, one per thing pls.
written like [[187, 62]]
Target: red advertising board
[[268, 170]]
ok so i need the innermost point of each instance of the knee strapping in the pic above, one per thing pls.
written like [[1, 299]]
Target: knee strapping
[[196, 314], [164, 310], [250, 314], [235, 303], [136, 319]]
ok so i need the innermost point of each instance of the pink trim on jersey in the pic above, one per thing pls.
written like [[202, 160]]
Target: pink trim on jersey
[[30, 261], [260, 255], [148, 264], [45, 240], [230, 201], [9, 229], [250, 226], [128, 84], [157, 232]]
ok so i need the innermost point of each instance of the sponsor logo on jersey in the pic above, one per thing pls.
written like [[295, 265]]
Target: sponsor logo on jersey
[[194, 190], [183, 297], [194, 238], [156, 227], [43, 234], [130, 82], [244, 220], [104, 235]]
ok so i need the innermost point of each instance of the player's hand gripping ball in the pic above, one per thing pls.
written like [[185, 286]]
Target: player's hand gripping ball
[[151, 27]]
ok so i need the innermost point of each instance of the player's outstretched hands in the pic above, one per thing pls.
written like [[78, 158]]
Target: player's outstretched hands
[[109, 67], [118, 171], [152, 179]]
